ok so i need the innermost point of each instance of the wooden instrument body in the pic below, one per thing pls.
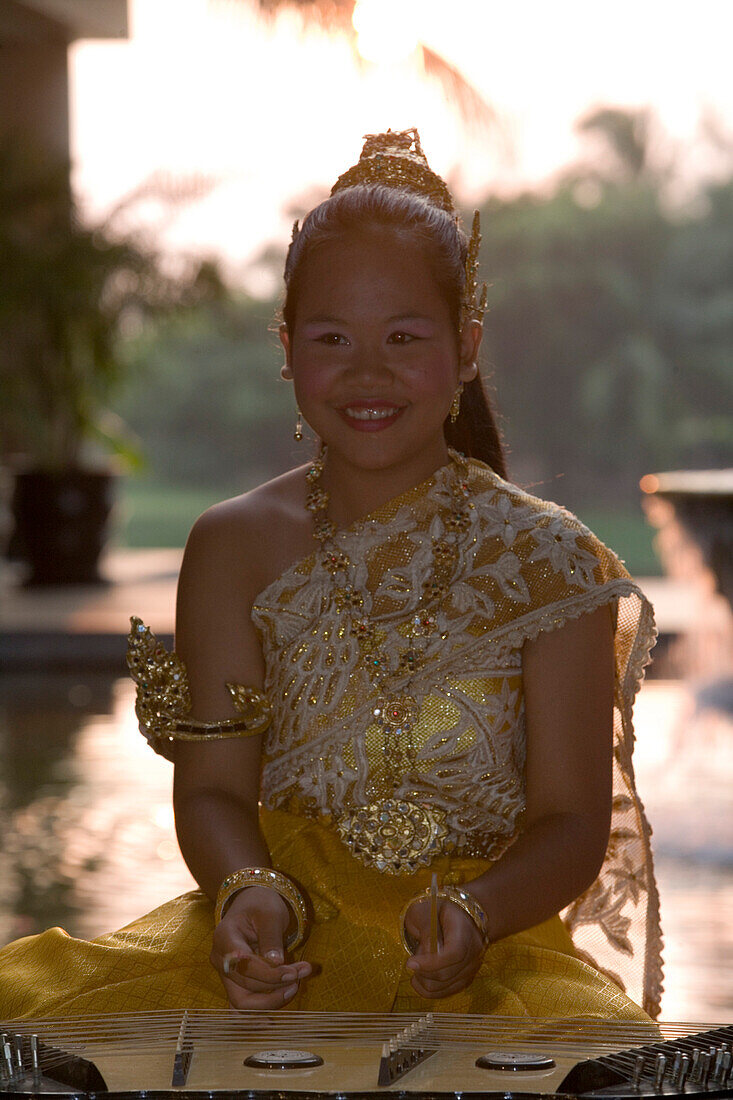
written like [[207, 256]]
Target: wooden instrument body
[[157, 1055], [345, 1069]]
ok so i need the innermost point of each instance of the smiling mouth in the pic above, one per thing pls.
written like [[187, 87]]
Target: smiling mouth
[[361, 412]]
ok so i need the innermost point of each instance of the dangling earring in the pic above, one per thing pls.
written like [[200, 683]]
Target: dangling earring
[[298, 433], [455, 407]]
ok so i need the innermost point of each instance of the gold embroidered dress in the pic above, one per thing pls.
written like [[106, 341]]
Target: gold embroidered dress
[[365, 794]]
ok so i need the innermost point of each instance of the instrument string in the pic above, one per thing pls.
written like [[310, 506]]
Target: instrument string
[[132, 1033]]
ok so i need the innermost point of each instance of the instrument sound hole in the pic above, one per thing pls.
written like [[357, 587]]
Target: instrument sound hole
[[283, 1059], [514, 1061]]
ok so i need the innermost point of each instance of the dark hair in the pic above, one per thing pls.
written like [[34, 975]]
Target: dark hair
[[361, 208]]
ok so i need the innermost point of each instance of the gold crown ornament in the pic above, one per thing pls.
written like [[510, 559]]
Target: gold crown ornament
[[396, 159]]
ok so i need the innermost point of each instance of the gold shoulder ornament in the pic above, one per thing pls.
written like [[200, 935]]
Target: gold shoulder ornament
[[163, 698]]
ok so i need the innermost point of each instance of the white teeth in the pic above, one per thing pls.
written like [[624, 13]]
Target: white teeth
[[370, 414]]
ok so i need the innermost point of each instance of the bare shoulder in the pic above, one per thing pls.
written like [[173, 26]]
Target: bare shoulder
[[251, 539], [235, 549]]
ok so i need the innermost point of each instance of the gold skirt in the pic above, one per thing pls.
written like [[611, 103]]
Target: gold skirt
[[161, 961]]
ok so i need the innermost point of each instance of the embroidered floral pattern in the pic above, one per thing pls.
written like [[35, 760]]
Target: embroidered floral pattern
[[526, 566]]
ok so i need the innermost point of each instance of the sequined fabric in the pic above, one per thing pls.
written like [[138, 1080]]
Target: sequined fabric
[[527, 566], [161, 961]]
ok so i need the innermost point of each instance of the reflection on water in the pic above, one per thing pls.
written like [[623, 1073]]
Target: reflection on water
[[85, 808], [87, 838]]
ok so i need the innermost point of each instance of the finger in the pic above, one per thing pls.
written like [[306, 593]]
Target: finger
[[229, 963], [436, 968], [291, 974], [465, 975], [419, 931], [270, 944], [242, 999], [433, 990], [452, 953], [240, 961], [257, 973], [460, 946], [251, 972]]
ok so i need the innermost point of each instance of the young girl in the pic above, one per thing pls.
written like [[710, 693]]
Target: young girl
[[390, 664]]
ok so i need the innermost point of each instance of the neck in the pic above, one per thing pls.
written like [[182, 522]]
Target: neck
[[355, 492]]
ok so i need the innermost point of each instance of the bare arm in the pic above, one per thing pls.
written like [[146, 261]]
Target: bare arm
[[216, 785], [568, 690]]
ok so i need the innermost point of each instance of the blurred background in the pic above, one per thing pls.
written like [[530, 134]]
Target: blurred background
[[153, 156]]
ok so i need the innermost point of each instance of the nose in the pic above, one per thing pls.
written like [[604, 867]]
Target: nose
[[369, 366]]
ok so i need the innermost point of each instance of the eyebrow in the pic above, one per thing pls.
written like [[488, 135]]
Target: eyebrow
[[324, 318]]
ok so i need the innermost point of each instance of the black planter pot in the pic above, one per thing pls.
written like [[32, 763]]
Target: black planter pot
[[61, 523]]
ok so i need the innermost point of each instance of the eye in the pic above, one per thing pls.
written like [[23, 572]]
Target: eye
[[401, 338], [332, 339]]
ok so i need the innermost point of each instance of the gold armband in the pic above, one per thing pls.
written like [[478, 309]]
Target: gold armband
[[163, 697], [275, 880], [460, 897]]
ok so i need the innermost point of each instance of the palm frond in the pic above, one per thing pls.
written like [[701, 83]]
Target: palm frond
[[329, 14], [475, 112]]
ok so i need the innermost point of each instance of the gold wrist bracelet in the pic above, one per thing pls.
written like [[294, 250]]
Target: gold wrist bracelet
[[265, 876], [460, 897], [471, 906]]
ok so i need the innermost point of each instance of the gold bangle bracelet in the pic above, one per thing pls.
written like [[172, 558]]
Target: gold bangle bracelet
[[265, 876], [460, 897], [471, 906]]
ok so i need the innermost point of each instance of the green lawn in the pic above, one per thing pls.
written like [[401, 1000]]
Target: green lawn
[[151, 514], [629, 535]]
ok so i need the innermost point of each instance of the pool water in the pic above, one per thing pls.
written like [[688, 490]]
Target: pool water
[[87, 839]]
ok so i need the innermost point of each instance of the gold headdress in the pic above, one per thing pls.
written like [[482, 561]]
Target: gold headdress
[[395, 159]]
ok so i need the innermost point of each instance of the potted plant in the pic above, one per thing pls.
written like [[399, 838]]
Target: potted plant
[[67, 292]]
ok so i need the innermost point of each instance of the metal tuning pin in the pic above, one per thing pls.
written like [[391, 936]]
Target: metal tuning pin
[[638, 1071], [675, 1070], [717, 1055], [695, 1066], [684, 1071], [8, 1062], [660, 1065], [18, 1054], [35, 1062], [703, 1072]]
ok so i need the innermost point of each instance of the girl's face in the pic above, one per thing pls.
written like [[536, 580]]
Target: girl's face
[[373, 355]]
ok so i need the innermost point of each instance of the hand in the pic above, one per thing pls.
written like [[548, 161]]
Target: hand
[[460, 949], [248, 951]]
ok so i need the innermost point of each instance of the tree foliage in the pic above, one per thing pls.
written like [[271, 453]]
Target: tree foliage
[[609, 339], [208, 402], [610, 325], [67, 291]]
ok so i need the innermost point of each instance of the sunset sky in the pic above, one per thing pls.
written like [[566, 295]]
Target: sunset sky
[[261, 115]]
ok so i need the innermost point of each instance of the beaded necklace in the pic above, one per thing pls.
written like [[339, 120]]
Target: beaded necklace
[[394, 834]]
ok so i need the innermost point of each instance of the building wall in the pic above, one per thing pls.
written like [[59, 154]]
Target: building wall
[[34, 82]]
